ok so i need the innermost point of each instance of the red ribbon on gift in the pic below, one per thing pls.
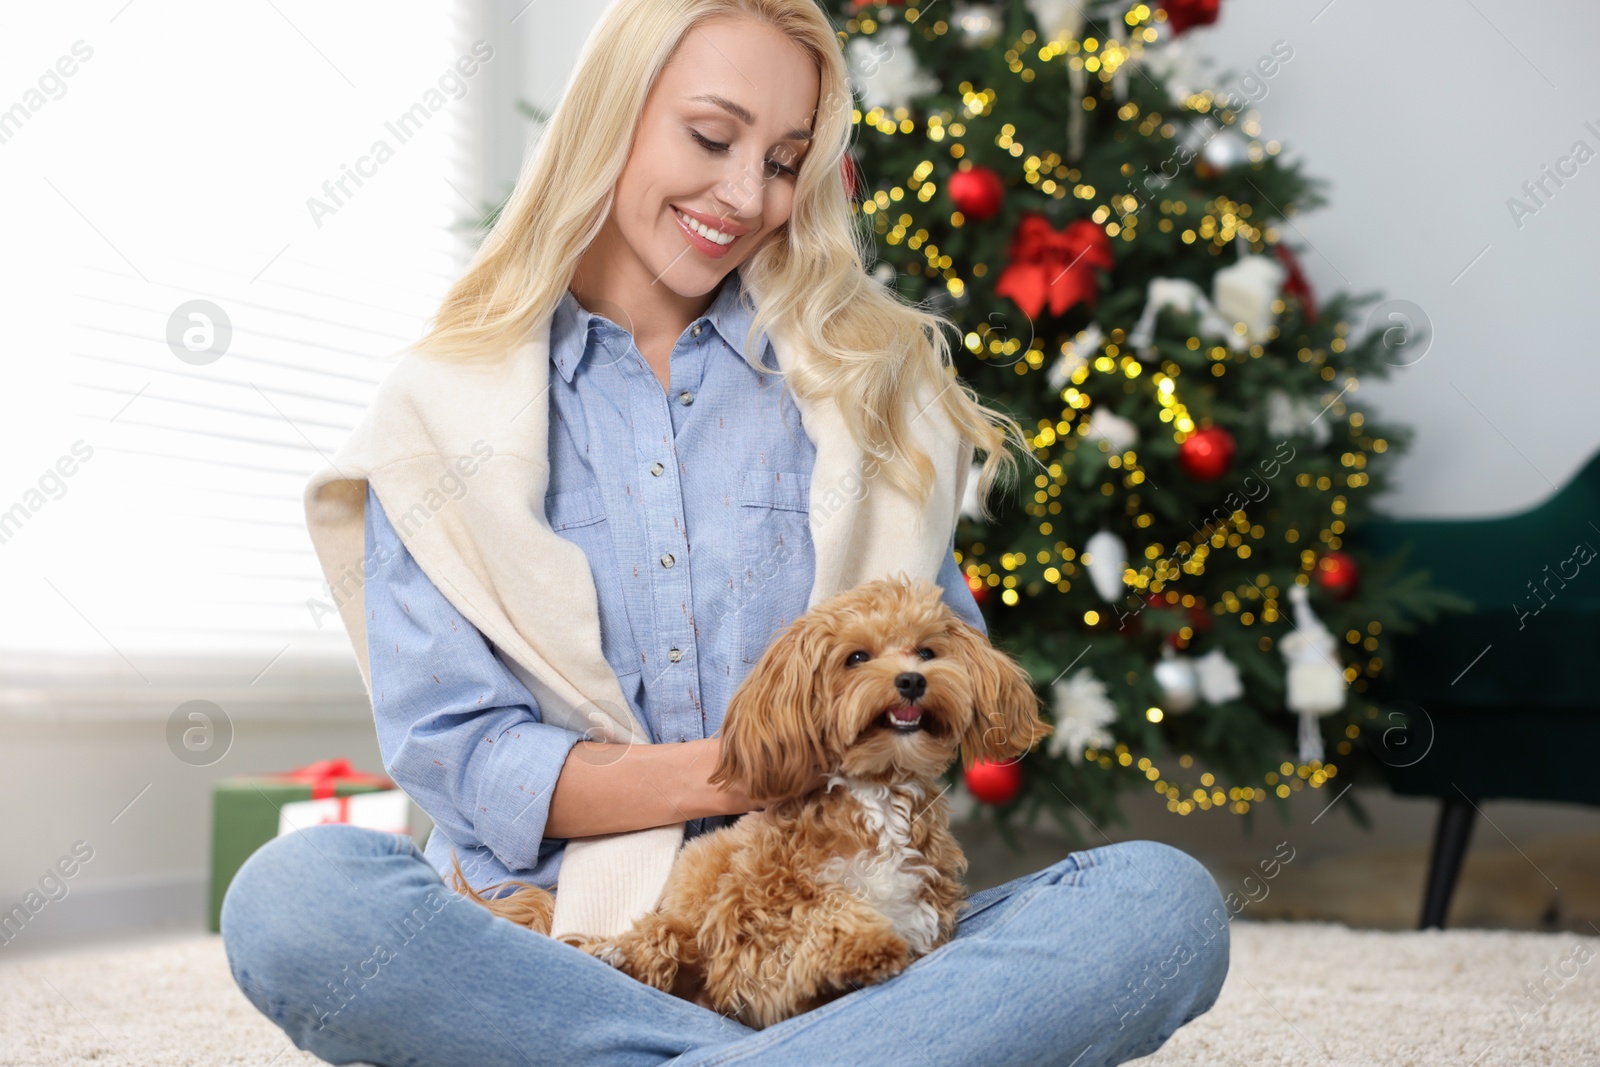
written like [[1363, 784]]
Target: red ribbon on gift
[[1058, 266], [326, 775]]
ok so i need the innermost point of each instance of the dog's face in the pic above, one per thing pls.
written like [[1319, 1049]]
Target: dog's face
[[884, 682]]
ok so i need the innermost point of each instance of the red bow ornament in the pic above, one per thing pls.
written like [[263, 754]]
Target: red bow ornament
[[1296, 283], [1184, 15], [325, 776], [1055, 266]]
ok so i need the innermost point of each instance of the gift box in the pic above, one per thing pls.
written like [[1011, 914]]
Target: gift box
[[249, 811]]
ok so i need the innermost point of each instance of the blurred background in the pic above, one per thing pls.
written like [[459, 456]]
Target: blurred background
[[222, 220]]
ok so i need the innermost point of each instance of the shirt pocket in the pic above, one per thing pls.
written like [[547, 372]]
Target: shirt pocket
[[776, 553], [581, 505], [578, 514]]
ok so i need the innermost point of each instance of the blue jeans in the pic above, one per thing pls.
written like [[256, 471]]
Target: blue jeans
[[349, 940]]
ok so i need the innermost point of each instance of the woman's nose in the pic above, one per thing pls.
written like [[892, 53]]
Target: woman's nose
[[742, 193]]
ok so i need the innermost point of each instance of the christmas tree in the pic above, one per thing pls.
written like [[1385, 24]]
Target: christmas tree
[[1115, 244]]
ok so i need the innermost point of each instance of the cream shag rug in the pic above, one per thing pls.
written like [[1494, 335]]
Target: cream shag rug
[[1297, 994]]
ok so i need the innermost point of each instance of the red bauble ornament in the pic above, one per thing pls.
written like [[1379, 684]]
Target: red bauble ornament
[[1338, 573], [1206, 453], [994, 783], [980, 590], [850, 175], [1198, 619], [977, 192], [1183, 15], [1295, 283]]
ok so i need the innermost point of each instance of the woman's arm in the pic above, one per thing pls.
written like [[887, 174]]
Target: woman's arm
[[463, 736], [457, 730], [957, 593], [605, 788]]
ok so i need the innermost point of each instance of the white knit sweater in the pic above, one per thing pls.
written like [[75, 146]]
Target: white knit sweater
[[492, 554]]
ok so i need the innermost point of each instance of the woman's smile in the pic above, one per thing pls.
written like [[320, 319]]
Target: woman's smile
[[713, 240]]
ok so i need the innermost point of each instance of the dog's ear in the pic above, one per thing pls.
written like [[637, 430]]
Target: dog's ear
[[771, 739], [1005, 721]]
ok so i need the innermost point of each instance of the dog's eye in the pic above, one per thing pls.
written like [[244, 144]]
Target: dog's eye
[[856, 658], [926, 653]]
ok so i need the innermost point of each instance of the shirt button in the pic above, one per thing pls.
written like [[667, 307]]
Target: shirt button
[[686, 398], [675, 654], [656, 469], [667, 560], [697, 328]]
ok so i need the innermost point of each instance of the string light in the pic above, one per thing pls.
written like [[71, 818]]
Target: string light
[[1187, 797]]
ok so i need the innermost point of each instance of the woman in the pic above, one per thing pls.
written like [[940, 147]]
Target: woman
[[609, 352]]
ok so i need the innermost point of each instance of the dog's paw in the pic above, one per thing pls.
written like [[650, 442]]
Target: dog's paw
[[604, 949], [609, 952], [872, 956], [582, 942]]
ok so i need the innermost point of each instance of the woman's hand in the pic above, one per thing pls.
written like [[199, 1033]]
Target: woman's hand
[[731, 799]]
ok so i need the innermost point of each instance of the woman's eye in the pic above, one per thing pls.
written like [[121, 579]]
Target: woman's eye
[[774, 167], [855, 659], [925, 653], [782, 168], [707, 143]]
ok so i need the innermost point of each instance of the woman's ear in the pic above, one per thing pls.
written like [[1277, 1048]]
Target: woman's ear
[[1005, 709], [771, 743]]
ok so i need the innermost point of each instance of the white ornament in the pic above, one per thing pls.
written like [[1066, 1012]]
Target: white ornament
[[1245, 291], [1065, 366], [1289, 416], [884, 273], [1181, 295], [1173, 63], [1083, 715], [1219, 678], [1118, 433], [979, 24], [1226, 150], [885, 71], [1078, 86], [1059, 20], [1119, 76], [1063, 20], [969, 497], [1180, 684], [1075, 353], [1316, 682], [1106, 558]]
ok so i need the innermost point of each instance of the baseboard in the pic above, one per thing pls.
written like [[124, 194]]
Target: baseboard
[[116, 910]]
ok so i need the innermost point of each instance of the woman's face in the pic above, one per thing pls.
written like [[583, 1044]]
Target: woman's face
[[721, 133]]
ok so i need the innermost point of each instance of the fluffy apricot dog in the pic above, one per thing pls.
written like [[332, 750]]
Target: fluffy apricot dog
[[813, 896]]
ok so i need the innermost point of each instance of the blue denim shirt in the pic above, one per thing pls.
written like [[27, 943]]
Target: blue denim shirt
[[691, 506]]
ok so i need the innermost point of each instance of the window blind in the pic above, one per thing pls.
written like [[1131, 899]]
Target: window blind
[[244, 213]]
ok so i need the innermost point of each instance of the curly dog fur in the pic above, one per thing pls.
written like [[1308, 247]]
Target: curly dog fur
[[818, 894]]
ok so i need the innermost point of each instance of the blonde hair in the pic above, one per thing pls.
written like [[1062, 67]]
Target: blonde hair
[[808, 279]]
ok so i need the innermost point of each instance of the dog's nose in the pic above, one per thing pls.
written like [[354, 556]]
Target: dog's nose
[[910, 684]]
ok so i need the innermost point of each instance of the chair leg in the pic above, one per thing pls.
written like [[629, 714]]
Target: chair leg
[[1449, 848]]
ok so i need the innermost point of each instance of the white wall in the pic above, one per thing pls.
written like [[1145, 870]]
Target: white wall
[[1426, 118]]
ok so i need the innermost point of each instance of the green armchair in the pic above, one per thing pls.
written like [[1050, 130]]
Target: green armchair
[[1502, 701]]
